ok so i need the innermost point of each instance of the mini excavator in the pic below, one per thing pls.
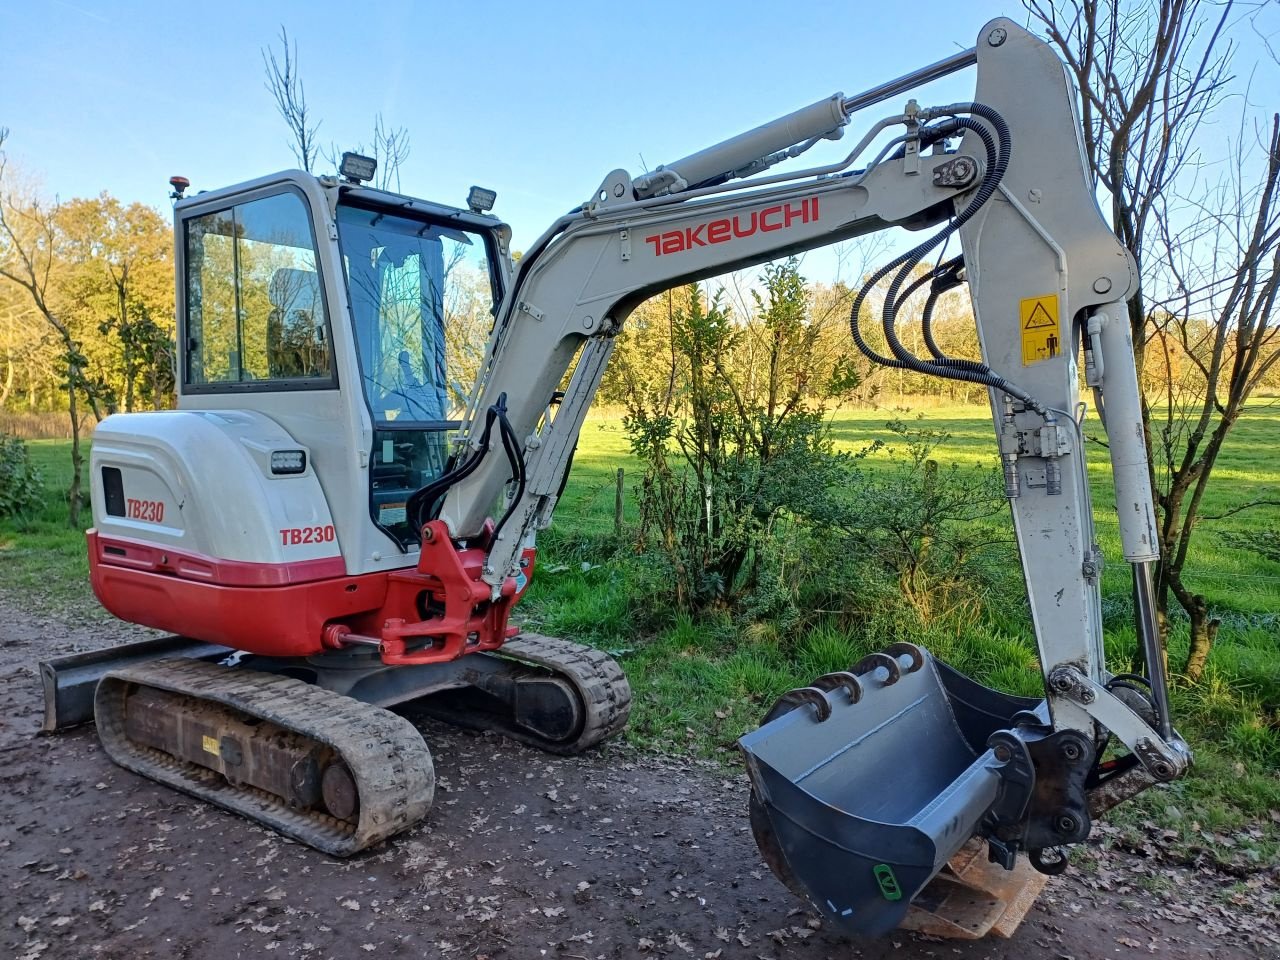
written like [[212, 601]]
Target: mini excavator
[[326, 534]]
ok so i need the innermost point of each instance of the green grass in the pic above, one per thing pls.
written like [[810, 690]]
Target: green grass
[[44, 566], [700, 685]]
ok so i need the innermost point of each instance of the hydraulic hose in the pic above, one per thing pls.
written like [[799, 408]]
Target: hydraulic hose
[[421, 502], [996, 166], [953, 369]]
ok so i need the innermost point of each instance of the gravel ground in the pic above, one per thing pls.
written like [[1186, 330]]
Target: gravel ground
[[613, 854]]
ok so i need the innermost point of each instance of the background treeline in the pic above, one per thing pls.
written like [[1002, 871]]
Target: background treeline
[[105, 272]]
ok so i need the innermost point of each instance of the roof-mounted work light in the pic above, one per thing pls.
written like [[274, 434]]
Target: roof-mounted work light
[[357, 169], [481, 200]]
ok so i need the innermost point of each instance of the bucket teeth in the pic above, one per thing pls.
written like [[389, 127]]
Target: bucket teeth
[[799, 697], [877, 661], [841, 679], [899, 650], [889, 659]]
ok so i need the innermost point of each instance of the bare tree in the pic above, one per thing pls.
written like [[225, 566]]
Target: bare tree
[[391, 150], [285, 84], [1151, 77], [1224, 326], [390, 145]]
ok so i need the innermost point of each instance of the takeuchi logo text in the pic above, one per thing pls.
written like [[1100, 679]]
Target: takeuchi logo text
[[739, 225]]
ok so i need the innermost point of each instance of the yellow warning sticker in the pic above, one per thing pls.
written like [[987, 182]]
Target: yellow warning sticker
[[210, 745], [1040, 339]]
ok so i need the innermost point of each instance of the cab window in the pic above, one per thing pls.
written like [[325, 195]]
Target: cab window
[[255, 309]]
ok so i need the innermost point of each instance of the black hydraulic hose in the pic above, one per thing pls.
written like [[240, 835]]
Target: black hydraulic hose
[[423, 500], [511, 443], [945, 277], [926, 325], [996, 165], [942, 278], [964, 370]]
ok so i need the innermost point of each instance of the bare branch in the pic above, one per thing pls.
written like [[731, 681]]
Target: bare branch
[[1244, 506], [391, 150], [285, 85]]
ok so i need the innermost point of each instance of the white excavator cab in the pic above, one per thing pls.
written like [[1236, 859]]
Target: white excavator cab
[[324, 331], [348, 316]]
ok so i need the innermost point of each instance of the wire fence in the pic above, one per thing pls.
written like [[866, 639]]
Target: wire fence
[[43, 426]]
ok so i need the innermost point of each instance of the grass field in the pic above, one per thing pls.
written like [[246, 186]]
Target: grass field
[[700, 684]]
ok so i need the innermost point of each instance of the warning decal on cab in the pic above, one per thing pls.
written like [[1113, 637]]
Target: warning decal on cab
[[1039, 324]]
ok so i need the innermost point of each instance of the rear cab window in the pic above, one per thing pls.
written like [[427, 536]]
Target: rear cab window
[[255, 310]]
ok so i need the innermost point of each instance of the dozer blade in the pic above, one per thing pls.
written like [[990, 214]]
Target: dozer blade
[[865, 784], [334, 773], [70, 681]]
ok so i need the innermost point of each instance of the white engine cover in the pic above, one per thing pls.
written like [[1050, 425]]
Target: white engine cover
[[201, 482]]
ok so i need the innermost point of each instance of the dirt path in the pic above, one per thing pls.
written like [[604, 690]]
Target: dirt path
[[524, 855]]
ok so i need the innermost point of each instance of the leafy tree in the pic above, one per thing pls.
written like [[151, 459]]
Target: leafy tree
[[729, 422], [119, 288], [32, 257]]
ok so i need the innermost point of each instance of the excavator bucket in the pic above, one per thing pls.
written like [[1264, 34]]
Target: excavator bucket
[[867, 783]]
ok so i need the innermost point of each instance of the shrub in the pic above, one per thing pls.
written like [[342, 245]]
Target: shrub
[[734, 439], [21, 488]]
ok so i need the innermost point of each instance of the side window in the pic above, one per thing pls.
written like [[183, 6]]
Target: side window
[[255, 311]]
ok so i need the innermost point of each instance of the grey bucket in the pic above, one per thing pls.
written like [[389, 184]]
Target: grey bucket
[[864, 807]]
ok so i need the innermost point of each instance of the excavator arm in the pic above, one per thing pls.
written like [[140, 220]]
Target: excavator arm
[[1049, 282]]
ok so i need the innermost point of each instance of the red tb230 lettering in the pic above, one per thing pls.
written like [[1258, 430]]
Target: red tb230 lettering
[[292, 536], [148, 511]]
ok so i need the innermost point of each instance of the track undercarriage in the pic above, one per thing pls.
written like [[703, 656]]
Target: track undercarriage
[[308, 746]]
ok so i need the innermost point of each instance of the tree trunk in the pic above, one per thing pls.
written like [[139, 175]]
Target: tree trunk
[[8, 379], [73, 495], [1204, 631]]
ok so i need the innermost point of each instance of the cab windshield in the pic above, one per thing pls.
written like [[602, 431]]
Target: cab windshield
[[422, 304], [421, 295]]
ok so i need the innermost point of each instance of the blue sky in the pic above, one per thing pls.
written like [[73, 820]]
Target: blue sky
[[535, 100]]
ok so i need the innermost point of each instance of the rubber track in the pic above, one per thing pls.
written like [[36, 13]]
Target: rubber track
[[386, 755], [602, 689]]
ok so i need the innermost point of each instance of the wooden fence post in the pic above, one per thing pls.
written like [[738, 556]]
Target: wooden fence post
[[617, 505]]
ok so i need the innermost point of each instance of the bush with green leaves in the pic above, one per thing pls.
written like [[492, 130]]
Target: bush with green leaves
[[909, 538], [928, 532], [732, 432], [21, 488]]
